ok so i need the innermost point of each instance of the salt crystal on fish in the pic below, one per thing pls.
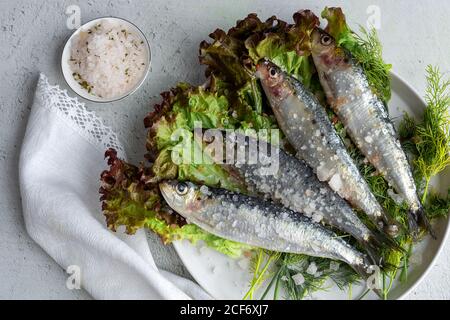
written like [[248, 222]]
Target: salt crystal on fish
[[317, 217], [336, 182], [205, 190], [334, 265], [323, 173]]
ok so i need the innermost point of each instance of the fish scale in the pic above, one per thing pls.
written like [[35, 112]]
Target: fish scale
[[307, 127], [366, 121], [296, 187], [259, 223]]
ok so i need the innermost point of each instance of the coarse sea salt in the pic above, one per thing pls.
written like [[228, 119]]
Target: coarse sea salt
[[312, 268], [299, 279], [108, 60], [334, 265], [335, 182], [317, 217], [204, 190]]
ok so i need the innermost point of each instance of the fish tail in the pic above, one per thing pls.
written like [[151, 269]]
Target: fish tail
[[385, 240], [418, 218], [378, 242], [373, 251]]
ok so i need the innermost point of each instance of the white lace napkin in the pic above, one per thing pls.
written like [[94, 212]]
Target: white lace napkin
[[60, 163]]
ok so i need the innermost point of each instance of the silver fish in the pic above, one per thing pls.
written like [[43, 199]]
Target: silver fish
[[306, 125], [258, 223], [366, 120], [297, 188]]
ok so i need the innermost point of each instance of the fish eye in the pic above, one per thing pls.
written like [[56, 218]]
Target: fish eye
[[325, 40], [182, 188], [273, 72]]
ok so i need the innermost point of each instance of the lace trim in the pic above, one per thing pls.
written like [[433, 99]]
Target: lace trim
[[75, 114]]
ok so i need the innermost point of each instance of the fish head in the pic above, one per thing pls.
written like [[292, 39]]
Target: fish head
[[273, 80], [182, 196], [326, 53]]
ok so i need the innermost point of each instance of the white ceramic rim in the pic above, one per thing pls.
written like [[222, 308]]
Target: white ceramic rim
[[419, 279], [83, 93]]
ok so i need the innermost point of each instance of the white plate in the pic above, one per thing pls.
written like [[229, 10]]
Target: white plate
[[226, 278], [67, 72]]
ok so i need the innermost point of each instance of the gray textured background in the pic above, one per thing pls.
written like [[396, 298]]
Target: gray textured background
[[414, 34]]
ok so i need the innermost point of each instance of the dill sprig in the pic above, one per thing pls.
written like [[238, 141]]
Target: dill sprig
[[293, 264], [260, 267], [432, 136], [288, 266], [428, 142], [368, 51], [437, 206], [365, 47]]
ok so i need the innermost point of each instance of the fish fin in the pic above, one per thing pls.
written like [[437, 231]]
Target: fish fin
[[375, 245], [366, 272], [422, 220], [413, 226], [373, 251], [384, 241]]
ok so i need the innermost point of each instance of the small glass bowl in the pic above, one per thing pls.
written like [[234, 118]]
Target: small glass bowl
[[67, 71]]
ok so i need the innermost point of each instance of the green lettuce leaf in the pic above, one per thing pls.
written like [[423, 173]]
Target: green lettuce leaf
[[171, 136], [232, 56], [129, 200], [287, 45]]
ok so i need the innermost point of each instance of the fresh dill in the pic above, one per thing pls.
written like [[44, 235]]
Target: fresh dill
[[260, 265], [368, 51], [432, 136], [291, 274]]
